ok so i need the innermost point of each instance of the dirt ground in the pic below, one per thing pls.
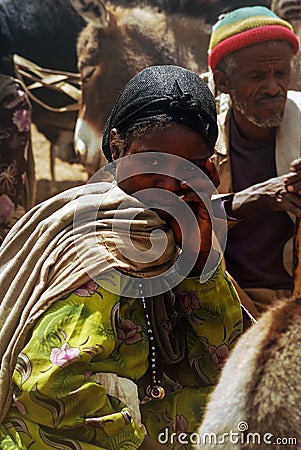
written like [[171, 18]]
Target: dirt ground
[[66, 175]]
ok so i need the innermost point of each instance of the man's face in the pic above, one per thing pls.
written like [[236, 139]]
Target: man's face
[[258, 82]]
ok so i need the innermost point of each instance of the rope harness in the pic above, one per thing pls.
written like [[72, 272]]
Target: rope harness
[[65, 82]]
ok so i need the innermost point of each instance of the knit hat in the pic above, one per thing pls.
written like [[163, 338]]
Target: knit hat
[[244, 27], [169, 91]]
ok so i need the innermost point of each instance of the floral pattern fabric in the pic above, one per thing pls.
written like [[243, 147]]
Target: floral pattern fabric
[[15, 140], [58, 402]]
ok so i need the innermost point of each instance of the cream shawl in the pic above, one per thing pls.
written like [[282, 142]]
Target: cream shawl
[[57, 247]]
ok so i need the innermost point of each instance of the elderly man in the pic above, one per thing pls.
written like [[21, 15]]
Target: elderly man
[[250, 54]]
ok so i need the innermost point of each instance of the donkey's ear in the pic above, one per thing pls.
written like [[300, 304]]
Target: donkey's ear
[[92, 11]]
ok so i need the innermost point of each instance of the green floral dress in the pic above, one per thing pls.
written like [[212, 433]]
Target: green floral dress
[[63, 397]]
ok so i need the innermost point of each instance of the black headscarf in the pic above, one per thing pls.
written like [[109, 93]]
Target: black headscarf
[[166, 90]]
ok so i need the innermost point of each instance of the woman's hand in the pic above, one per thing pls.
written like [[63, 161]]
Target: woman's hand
[[196, 235]]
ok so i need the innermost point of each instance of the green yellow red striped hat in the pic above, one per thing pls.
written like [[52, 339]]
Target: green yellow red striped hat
[[244, 27]]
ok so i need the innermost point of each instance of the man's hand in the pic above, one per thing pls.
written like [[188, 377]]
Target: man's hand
[[293, 179], [281, 193]]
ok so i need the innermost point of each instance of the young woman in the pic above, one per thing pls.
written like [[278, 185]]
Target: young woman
[[116, 313]]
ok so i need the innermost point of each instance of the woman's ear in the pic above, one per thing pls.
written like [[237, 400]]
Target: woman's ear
[[113, 144], [222, 82]]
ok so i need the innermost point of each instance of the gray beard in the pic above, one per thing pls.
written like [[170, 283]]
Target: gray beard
[[272, 122]]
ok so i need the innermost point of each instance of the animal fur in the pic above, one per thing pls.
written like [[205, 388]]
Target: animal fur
[[260, 384], [209, 10]]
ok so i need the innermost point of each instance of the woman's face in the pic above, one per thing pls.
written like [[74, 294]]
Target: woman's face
[[169, 160]]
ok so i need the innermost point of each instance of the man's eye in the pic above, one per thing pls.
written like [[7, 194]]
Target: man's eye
[[281, 74], [256, 76]]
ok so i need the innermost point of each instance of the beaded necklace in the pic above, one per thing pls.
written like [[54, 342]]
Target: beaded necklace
[[154, 390]]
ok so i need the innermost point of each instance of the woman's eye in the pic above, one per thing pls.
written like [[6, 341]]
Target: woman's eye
[[152, 162], [189, 168]]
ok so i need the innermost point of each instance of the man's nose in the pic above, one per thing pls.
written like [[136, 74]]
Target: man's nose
[[271, 86]]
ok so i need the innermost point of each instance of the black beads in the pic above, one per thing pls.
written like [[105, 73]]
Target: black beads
[[154, 390]]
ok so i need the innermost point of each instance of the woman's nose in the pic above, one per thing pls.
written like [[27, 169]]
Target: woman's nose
[[167, 183]]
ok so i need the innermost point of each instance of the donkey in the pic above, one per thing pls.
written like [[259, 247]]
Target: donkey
[[256, 403], [111, 52]]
